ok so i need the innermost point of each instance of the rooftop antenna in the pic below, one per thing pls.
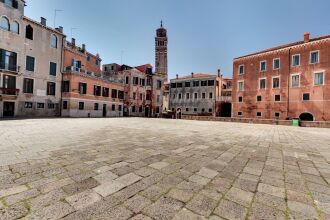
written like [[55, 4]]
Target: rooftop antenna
[[72, 31], [55, 12]]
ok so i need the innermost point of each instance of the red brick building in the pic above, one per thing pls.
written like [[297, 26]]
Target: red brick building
[[85, 92], [284, 82]]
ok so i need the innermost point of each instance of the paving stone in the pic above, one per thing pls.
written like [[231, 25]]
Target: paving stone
[[129, 179], [159, 165], [186, 214], [214, 217], [119, 213], [109, 188], [240, 196], [302, 208], [102, 169], [168, 207], [16, 211], [84, 199], [145, 171], [261, 211], [21, 196], [202, 205], [105, 177], [180, 194], [153, 192], [272, 201], [140, 217], [55, 185], [199, 179], [130, 191], [137, 203], [230, 210], [208, 173], [80, 186], [47, 199], [54, 211], [271, 190], [13, 190], [299, 197]]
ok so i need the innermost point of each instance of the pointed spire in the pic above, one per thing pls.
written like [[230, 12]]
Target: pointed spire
[[161, 23]]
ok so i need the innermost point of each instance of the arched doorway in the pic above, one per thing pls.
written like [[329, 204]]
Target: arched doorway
[[306, 116]]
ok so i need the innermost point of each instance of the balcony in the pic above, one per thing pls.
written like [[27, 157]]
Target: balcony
[[9, 92], [72, 69], [224, 99], [4, 67]]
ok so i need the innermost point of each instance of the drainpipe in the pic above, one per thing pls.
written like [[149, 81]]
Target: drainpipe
[[289, 75], [61, 69]]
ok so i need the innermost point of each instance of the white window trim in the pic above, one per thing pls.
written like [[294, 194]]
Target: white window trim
[[257, 115], [278, 116], [33, 85], [302, 97], [51, 35], [279, 59], [238, 99], [293, 59], [280, 98], [295, 74], [239, 67], [264, 61], [239, 81], [19, 26], [279, 81], [310, 57], [257, 98], [322, 80], [265, 83]]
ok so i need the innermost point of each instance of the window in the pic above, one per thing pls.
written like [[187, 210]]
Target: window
[[187, 84], [295, 81], [210, 95], [82, 88], [210, 82], [259, 98], [179, 85], [113, 107], [204, 83], [65, 104], [142, 82], [66, 86], [173, 85], [105, 92], [30, 61], [8, 60], [203, 95], [97, 90], [15, 27], [277, 98], [51, 88], [196, 95], [134, 95], [97, 62], [51, 105], [296, 60], [240, 98], [195, 109], [28, 105], [276, 82], [133, 108], [11, 3], [53, 41], [114, 93], [196, 84], [187, 95], [96, 106], [187, 109], [276, 63], [210, 110], [135, 80], [28, 85], [159, 84], [239, 113], [203, 110], [29, 32], [88, 58], [4, 24], [306, 97], [318, 79], [314, 57], [141, 96], [127, 80], [240, 86], [241, 69], [52, 69], [277, 115], [262, 83], [179, 96], [263, 66], [40, 105], [119, 108], [174, 96], [81, 105], [258, 114], [140, 109], [120, 94]]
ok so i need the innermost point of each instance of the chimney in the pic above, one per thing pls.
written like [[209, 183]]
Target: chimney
[[60, 29], [219, 73], [43, 21], [177, 76], [306, 37], [73, 42], [84, 47], [192, 75]]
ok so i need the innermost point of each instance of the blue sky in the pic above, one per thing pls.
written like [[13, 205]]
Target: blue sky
[[204, 35]]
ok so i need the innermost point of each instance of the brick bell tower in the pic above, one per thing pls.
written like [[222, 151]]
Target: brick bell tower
[[161, 50]]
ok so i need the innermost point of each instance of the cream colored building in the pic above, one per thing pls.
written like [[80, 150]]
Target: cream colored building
[[30, 64]]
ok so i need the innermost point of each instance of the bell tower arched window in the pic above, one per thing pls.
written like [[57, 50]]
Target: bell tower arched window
[[4, 23]]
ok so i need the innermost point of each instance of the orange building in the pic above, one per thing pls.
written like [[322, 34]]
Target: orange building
[[85, 92]]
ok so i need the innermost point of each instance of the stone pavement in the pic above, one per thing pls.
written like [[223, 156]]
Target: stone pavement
[[137, 168]]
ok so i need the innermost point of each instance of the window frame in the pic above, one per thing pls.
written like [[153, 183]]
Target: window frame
[[261, 62], [51, 41], [24, 88], [240, 99], [318, 57], [263, 78], [79, 106], [239, 69], [291, 83], [18, 26], [322, 78], [279, 82], [279, 115], [50, 64], [8, 23], [258, 116], [279, 63], [260, 98], [34, 63], [309, 96], [48, 89], [238, 82], [275, 97], [293, 56]]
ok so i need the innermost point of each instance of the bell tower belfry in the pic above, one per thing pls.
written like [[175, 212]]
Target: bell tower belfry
[[161, 51]]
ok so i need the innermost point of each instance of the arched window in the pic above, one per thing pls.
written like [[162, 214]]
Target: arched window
[[4, 23], [29, 32], [53, 41], [15, 27]]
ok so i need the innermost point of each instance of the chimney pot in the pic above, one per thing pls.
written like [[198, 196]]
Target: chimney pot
[[306, 37], [60, 29], [192, 75], [177, 76], [219, 72], [84, 47], [43, 21], [73, 42]]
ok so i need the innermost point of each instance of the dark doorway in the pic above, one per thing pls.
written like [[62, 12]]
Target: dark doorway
[[306, 116], [8, 109], [225, 110], [104, 110], [178, 113], [146, 112], [126, 111]]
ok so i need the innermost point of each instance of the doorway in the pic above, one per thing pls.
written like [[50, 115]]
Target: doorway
[[225, 110], [146, 111], [8, 109], [104, 110], [306, 116]]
